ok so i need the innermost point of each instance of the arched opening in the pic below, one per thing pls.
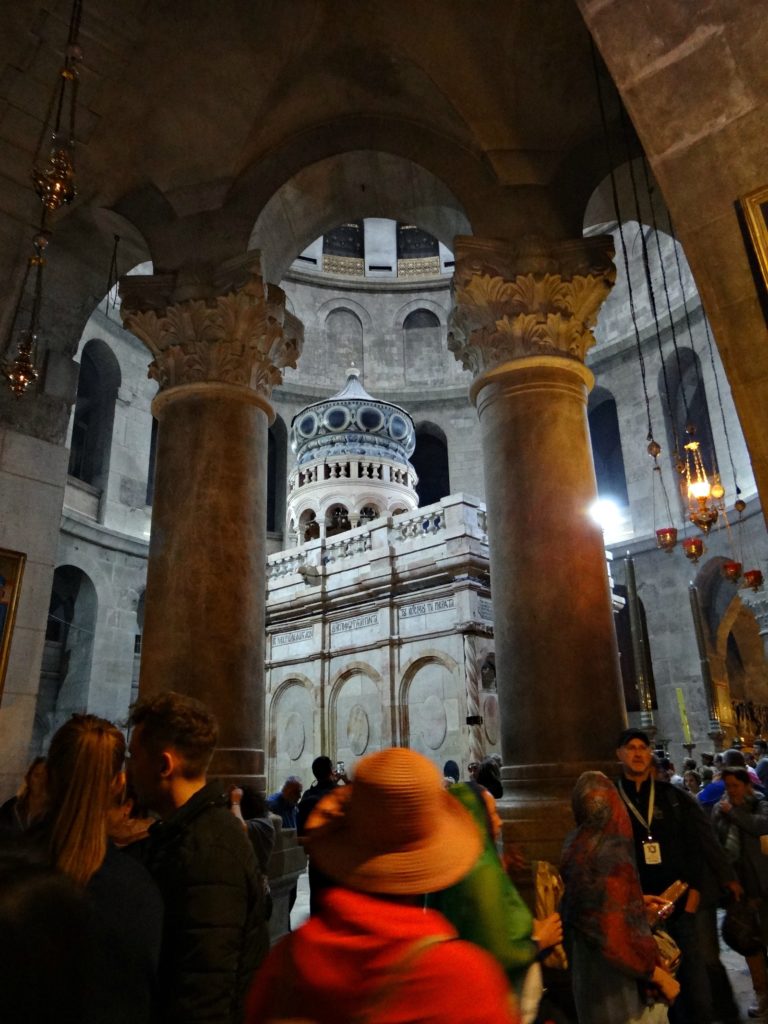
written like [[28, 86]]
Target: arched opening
[[309, 528], [430, 460], [65, 674], [337, 520], [606, 448], [423, 346], [344, 336], [368, 513], [94, 414]]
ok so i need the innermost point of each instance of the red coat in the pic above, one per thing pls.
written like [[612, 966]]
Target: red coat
[[341, 961]]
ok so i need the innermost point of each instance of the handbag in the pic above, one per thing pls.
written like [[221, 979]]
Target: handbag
[[667, 951], [741, 928]]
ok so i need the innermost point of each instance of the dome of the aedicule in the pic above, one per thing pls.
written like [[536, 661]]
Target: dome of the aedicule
[[352, 422]]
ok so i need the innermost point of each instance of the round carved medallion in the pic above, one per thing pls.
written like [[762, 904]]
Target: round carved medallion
[[294, 737], [434, 723], [358, 730]]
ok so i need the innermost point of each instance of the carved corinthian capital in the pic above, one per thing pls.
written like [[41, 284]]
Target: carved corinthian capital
[[225, 325], [532, 298]]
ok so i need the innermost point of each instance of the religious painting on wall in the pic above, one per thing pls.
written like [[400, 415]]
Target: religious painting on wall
[[754, 207], [11, 571]]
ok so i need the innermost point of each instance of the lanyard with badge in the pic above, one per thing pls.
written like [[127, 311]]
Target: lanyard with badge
[[651, 849]]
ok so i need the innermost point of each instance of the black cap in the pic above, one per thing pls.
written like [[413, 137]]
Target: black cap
[[632, 734]]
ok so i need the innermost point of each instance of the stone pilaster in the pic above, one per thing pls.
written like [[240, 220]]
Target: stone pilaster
[[219, 339], [522, 324]]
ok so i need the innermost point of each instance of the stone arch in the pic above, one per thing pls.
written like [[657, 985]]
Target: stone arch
[[421, 303], [430, 705], [356, 696], [345, 302], [94, 413], [292, 731], [430, 460], [738, 661], [292, 218]]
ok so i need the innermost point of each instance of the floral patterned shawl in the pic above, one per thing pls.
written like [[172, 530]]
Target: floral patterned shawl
[[603, 900]]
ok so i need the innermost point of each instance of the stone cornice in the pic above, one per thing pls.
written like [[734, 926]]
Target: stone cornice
[[224, 325], [514, 300]]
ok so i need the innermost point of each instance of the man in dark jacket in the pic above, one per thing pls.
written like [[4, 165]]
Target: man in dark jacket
[[215, 932], [674, 842], [326, 781]]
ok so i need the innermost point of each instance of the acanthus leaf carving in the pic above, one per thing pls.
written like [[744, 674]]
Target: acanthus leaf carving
[[496, 320], [234, 338]]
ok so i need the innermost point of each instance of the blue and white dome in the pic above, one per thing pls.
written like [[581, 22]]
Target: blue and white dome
[[352, 422]]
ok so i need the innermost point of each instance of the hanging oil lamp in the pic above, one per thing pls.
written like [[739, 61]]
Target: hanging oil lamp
[[666, 536], [53, 168], [693, 548], [20, 369], [732, 571], [753, 579], [702, 508]]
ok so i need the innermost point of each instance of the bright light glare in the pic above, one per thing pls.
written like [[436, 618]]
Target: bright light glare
[[700, 489], [607, 515]]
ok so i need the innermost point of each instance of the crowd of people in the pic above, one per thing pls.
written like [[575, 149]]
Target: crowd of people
[[134, 891]]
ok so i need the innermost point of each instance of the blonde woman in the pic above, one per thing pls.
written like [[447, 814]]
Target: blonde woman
[[86, 782]]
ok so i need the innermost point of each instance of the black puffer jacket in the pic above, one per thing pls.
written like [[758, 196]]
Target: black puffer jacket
[[215, 933]]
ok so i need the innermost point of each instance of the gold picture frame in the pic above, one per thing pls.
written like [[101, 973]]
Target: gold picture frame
[[754, 206], [11, 573]]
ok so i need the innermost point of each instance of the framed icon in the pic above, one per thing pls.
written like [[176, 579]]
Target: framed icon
[[754, 206], [11, 572]]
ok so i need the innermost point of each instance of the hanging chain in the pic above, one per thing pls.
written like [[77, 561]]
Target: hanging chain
[[649, 283]]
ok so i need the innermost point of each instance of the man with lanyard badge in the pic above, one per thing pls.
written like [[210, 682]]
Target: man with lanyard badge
[[667, 849]]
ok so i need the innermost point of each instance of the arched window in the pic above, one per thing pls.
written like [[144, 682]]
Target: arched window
[[423, 346], [337, 520], [309, 528], [368, 513], [94, 414], [344, 336], [688, 406], [606, 449], [65, 674], [430, 460]]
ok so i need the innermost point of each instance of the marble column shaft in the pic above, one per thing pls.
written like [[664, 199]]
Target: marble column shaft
[[522, 323], [219, 341]]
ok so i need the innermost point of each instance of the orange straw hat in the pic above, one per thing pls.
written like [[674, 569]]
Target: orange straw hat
[[395, 829]]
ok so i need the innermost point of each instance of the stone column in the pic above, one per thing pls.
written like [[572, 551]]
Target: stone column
[[522, 324], [219, 340]]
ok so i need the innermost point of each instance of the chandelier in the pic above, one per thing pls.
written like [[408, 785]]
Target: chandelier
[[705, 495]]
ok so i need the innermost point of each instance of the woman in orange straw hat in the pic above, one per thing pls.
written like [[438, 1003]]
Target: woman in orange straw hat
[[372, 954]]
